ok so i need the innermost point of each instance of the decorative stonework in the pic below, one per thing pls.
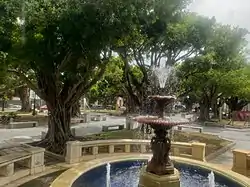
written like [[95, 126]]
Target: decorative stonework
[[147, 179], [160, 164], [241, 162], [75, 150], [31, 160]]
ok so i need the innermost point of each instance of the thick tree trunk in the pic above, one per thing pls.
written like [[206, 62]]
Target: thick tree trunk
[[131, 105], [23, 93], [215, 109], [58, 129], [204, 110], [189, 107], [76, 111], [3, 105]]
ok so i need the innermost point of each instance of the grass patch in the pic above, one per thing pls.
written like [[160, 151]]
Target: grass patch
[[213, 142]]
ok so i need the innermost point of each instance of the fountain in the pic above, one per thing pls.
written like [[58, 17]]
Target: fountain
[[163, 74], [211, 179], [160, 170], [108, 175]]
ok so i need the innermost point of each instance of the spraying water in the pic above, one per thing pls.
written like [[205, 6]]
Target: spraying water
[[211, 179], [108, 175], [162, 74]]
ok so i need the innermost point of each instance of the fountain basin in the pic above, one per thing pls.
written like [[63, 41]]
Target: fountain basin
[[125, 172]]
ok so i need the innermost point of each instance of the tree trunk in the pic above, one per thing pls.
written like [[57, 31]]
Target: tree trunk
[[204, 110], [131, 105], [58, 128], [215, 109], [23, 93], [3, 105], [76, 110]]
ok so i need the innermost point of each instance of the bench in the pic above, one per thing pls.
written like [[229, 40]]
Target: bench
[[98, 118], [77, 120], [189, 117], [180, 127], [23, 124], [107, 128], [214, 124]]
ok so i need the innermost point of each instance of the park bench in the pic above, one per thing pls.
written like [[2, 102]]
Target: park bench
[[98, 118], [180, 127], [77, 120], [214, 124], [107, 128], [23, 124], [189, 117]]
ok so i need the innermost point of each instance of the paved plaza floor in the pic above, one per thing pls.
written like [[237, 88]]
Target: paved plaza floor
[[240, 137]]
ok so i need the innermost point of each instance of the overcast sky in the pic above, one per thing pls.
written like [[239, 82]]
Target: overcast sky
[[234, 12]]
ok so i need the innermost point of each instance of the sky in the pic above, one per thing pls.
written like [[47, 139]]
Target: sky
[[233, 12]]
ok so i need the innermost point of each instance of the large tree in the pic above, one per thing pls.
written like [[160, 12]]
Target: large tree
[[67, 44], [163, 39], [205, 75], [236, 89]]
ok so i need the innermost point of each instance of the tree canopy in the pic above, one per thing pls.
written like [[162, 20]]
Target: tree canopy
[[218, 70], [65, 46], [63, 49]]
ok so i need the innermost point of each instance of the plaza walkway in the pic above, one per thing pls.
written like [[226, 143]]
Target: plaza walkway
[[27, 134], [240, 137]]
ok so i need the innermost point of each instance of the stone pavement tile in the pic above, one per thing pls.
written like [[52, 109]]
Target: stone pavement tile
[[224, 159]]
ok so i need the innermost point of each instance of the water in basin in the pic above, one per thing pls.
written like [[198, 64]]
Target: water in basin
[[126, 174]]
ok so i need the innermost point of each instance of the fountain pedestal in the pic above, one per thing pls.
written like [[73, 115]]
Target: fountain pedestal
[[148, 179], [160, 171]]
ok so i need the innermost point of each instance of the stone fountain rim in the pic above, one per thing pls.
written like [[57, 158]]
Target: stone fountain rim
[[67, 178]]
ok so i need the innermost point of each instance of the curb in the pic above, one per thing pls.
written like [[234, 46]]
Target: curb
[[220, 151], [233, 127], [220, 125]]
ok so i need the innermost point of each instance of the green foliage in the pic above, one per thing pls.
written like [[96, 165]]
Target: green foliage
[[67, 44], [236, 83], [219, 70], [110, 85]]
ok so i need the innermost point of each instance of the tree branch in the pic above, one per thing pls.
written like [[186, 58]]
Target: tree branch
[[188, 54], [14, 87], [79, 88], [29, 83], [63, 63]]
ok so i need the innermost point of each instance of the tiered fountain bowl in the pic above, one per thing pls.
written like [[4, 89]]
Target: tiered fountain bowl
[[160, 170], [160, 163]]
